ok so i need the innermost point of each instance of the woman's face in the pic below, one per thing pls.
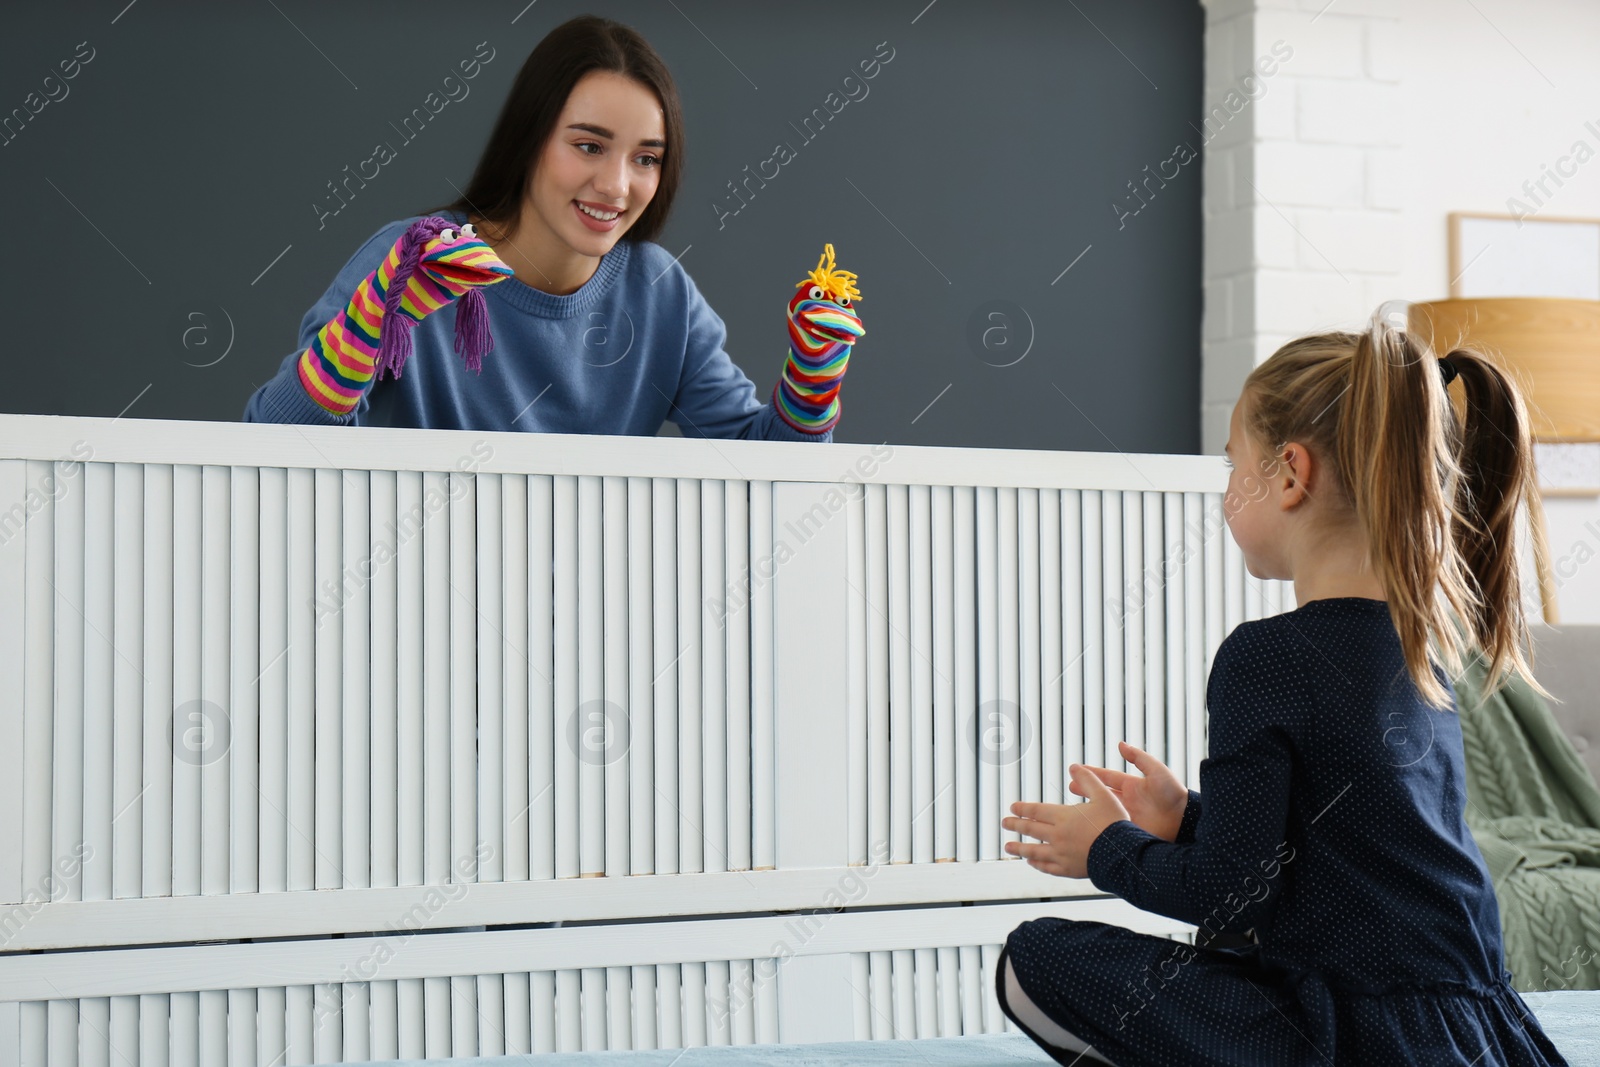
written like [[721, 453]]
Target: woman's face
[[605, 152]]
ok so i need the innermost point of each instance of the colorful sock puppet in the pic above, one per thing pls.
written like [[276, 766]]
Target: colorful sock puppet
[[434, 262], [823, 326]]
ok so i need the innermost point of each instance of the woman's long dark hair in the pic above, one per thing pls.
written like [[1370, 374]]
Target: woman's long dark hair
[[568, 52]]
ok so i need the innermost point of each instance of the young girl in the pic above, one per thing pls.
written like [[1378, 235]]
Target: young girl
[[599, 330], [1345, 914]]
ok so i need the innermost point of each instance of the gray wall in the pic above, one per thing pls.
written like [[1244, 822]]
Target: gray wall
[[197, 143]]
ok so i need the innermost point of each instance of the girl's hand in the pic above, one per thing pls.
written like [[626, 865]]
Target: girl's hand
[[1155, 802], [1065, 830]]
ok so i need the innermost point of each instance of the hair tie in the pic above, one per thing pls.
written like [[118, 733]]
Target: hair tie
[[1448, 370]]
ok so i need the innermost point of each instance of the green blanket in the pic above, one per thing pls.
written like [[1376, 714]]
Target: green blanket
[[1534, 810]]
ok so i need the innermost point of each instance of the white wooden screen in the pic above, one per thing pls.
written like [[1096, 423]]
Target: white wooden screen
[[317, 742]]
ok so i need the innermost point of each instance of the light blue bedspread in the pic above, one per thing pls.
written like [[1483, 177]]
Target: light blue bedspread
[[1570, 1017]]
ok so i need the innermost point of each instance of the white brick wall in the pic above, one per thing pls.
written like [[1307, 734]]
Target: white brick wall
[[1302, 189]]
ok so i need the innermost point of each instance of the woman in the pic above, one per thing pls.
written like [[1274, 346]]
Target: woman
[[593, 333]]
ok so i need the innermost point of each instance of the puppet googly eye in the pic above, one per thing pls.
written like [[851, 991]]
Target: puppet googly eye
[[817, 293], [468, 231], [844, 301], [447, 236]]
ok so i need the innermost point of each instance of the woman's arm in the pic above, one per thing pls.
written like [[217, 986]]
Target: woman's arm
[[715, 398], [427, 266], [283, 398]]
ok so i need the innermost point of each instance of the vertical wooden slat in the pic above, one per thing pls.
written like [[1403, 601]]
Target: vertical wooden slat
[[215, 729], [1195, 660], [876, 594], [861, 998], [99, 660], [974, 990], [719, 1029], [618, 1010], [992, 722], [568, 695], [356, 1022], [669, 994], [949, 977], [329, 656], [411, 998], [491, 575], [585, 722], [640, 761], [901, 800], [646, 1022], [923, 670], [384, 693], [1052, 770], [763, 691], [1074, 647], [613, 725], [384, 1008], [1154, 619], [124, 1032], [713, 678], [737, 792], [517, 676], [355, 742], [694, 1005], [437, 1033], [412, 822], [213, 1043], [904, 981], [964, 672], [1133, 597], [463, 1015], [244, 666], [881, 995], [272, 688], [691, 841], [240, 1014], [1176, 616], [128, 710], [1030, 651], [438, 605], [946, 747], [541, 680], [463, 682], [67, 776], [858, 737], [518, 1014], [300, 789], [993, 1021], [1014, 740], [1095, 639], [665, 657], [190, 712], [1114, 727]]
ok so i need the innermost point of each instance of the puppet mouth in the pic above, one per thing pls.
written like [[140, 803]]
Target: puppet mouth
[[829, 320]]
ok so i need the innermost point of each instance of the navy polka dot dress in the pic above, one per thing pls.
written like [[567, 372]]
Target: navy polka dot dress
[[1330, 856]]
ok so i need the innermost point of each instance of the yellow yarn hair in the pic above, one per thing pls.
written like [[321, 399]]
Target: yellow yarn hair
[[836, 283]]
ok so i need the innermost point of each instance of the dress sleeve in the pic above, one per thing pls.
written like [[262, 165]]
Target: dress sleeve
[[282, 398], [1226, 876], [1191, 819], [715, 398]]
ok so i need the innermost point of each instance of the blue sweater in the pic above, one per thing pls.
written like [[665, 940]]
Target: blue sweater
[[635, 346]]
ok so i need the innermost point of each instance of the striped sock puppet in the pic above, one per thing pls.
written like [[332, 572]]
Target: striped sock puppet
[[434, 262], [823, 326]]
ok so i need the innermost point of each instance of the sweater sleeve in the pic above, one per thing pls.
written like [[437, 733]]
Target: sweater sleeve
[[1226, 876], [715, 398], [282, 398]]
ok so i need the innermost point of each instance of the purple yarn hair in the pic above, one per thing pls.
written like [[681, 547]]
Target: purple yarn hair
[[473, 339]]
